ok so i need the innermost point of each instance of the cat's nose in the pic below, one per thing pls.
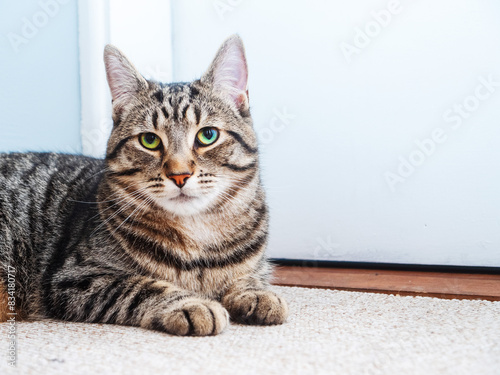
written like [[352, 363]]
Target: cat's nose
[[180, 179]]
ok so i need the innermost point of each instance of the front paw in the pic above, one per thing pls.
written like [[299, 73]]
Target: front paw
[[256, 307], [198, 317]]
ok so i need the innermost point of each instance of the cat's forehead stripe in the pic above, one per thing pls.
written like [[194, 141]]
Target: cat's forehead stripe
[[165, 113], [159, 95], [197, 113], [155, 119]]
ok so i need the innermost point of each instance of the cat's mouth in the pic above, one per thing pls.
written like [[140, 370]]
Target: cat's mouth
[[183, 198]]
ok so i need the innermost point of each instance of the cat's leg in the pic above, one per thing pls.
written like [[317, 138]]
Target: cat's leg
[[249, 302], [135, 301]]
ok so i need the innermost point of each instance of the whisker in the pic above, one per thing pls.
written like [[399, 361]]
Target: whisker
[[109, 196], [119, 210], [145, 203], [120, 200]]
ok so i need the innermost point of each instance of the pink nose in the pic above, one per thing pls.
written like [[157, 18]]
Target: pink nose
[[180, 179]]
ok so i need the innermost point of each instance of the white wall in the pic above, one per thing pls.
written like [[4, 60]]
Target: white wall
[[352, 117], [142, 30], [39, 76]]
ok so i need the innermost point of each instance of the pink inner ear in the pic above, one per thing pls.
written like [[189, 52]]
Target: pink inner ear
[[120, 78], [231, 74], [241, 99]]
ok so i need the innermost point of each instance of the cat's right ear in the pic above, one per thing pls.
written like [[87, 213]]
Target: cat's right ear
[[123, 78]]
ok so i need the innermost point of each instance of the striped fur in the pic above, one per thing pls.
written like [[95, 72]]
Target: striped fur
[[116, 241]]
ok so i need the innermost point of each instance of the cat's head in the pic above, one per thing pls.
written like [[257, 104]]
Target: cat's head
[[187, 147]]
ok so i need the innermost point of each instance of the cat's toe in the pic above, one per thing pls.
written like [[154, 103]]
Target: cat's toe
[[195, 318], [258, 307]]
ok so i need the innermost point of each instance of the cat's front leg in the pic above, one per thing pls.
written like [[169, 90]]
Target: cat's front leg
[[136, 301], [248, 302], [189, 316]]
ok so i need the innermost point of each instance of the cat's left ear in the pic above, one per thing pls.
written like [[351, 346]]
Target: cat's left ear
[[228, 73]]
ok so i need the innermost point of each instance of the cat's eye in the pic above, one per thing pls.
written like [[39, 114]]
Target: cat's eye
[[207, 136], [150, 141]]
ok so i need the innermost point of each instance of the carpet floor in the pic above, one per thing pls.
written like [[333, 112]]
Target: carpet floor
[[328, 332]]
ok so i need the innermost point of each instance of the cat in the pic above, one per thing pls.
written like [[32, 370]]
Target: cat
[[167, 233]]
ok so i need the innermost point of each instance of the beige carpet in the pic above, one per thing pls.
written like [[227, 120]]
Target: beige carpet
[[328, 332]]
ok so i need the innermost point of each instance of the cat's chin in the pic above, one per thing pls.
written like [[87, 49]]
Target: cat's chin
[[184, 205]]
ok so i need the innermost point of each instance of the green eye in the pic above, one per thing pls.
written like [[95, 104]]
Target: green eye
[[150, 141], [207, 136]]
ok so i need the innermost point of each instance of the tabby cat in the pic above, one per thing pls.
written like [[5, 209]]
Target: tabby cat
[[168, 232]]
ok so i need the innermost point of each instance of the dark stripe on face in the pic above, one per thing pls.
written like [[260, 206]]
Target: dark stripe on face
[[193, 92], [117, 122], [159, 96], [184, 110], [164, 111], [176, 112], [240, 140], [155, 120], [197, 113], [128, 172], [117, 148], [237, 168]]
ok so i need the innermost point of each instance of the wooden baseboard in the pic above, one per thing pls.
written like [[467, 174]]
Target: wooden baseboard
[[431, 284]]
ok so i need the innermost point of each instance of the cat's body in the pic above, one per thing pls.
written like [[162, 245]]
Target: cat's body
[[169, 237]]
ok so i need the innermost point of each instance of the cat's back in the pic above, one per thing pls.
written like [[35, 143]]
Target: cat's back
[[20, 172], [34, 185], [13, 164]]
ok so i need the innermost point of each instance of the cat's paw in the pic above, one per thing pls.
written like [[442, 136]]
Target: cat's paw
[[198, 317], [261, 307]]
